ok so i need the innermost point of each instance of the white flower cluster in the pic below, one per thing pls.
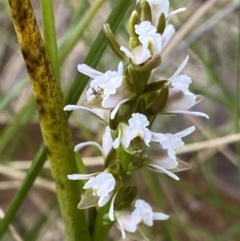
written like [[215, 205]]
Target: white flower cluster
[[128, 104]]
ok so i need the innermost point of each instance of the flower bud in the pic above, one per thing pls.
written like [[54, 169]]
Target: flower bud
[[133, 40], [161, 24], [160, 101], [123, 113], [135, 81], [113, 43], [126, 198], [144, 11]]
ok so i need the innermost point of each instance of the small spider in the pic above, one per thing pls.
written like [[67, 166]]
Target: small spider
[[97, 91]]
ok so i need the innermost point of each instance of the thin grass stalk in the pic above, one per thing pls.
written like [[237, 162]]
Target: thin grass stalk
[[49, 34], [53, 121], [77, 31]]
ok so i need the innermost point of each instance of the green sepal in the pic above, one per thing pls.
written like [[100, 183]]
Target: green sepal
[[119, 174], [133, 40], [125, 198], [113, 43], [136, 146], [124, 157], [110, 158], [94, 103], [123, 113], [150, 64], [152, 87], [144, 11], [133, 78], [161, 24], [137, 162], [159, 102], [141, 107], [182, 166], [88, 200]]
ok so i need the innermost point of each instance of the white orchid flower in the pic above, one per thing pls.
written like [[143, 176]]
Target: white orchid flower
[[102, 185], [161, 6], [165, 159], [152, 43], [159, 161], [136, 128], [171, 142], [106, 87], [125, 222], [128, 221], [143, 213], [180, 99], [162, 159]]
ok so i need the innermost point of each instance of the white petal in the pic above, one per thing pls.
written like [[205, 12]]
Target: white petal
[[120, 226], [111, 209], [107, 141], [178, 101], [117, 142], [186, 132], [180, 68], [140, 54], [125, 222], [88, 143], [127, 52], [185, 112], [162, 170], [114, 111], [160, 216], [87, 70], [143, 212], [103, 200], [167, 35], [101, 113], [120, 68], [175, 12], [81, 176], [163, 160]]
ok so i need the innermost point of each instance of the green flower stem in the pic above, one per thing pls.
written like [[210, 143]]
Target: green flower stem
[[102, 225], [49, 34], [53, 120], [78, 86]]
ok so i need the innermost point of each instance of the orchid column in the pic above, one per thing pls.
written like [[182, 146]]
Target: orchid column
[[128, 104]]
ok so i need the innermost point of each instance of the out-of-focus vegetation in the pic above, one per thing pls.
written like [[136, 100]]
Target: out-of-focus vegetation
[[205, 204]]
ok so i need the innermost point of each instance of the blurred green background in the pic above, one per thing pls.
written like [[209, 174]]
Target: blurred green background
[[205, 204]]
